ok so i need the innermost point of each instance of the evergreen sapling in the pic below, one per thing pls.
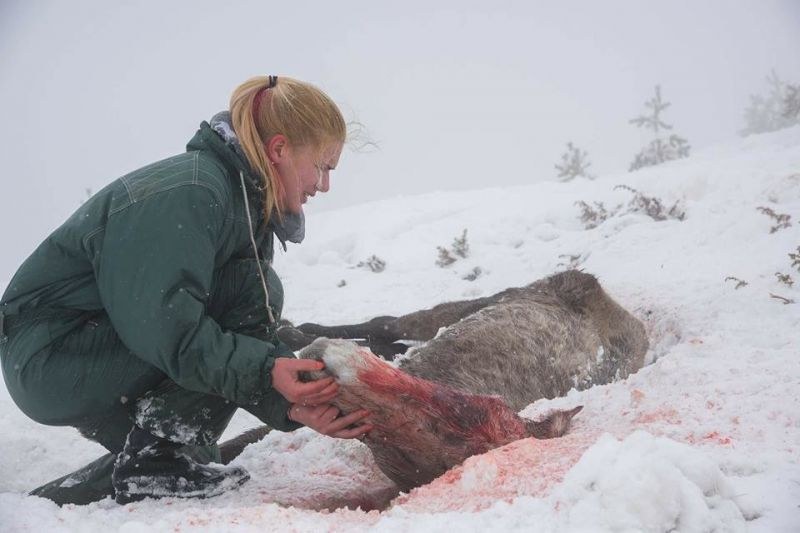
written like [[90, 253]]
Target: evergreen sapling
[[661, 148], [574, 163]]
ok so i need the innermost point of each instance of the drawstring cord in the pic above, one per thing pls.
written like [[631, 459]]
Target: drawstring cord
[[3, 336], [255, 250]]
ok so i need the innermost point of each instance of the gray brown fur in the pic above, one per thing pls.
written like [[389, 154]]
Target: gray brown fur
[[537, 341], [522, 344]]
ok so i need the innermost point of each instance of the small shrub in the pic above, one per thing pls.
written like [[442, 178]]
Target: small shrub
[[777, 109], [572, 261], [739, 282], [785, 301], [795, 257], [445, 259], [786, 279], [459, 248], [574, 163], [782, 220], [660, 149], [791, 102], [460, 245], [652, 206], [373, 263], [473, 274], [594, 216]]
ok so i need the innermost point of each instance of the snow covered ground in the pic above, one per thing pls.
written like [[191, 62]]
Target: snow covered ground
[[704, 438]]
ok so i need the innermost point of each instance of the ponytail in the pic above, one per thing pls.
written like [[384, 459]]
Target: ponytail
[[265, 106]]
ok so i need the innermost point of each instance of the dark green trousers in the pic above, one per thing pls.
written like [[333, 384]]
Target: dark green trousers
[[69, 368]]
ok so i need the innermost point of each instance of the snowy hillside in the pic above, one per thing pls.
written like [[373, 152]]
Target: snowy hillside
[[705, 438]]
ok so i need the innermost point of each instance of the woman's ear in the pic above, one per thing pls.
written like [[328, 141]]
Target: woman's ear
[[277, 147]]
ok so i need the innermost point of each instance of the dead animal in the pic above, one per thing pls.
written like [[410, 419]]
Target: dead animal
[[521, 344], [458, 394]]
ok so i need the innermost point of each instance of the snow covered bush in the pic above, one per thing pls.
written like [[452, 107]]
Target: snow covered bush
[[739, 282], [473, 274], [460, 245], [574, 163], [791, 103], [373, 263], [660, 149], [651, 206], [593, 216], [782, 220], [778, 109], [459, 249], [795, 257], [570, 261], [786, 279], [445, 257]]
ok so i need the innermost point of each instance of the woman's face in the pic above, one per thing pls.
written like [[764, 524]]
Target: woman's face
[[305, 171]]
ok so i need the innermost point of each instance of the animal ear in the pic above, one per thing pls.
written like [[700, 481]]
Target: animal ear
[[554, 425], [575, 288]]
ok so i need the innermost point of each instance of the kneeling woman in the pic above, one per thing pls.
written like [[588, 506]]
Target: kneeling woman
[[150, 315]]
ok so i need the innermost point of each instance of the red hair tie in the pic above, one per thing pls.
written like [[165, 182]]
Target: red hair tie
[[271, 82]]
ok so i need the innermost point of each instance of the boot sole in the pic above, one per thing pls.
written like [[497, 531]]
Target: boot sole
[[123, 498]]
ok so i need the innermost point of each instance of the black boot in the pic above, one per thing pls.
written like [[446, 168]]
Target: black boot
[[152, 467]]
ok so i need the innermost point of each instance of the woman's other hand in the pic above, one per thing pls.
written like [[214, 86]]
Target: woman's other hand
[[285, 379], [325, 419]]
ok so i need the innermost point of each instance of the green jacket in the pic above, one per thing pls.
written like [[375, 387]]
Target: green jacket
[[145, 249]]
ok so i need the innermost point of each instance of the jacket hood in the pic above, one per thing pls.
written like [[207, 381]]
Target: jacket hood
[[227, 150]]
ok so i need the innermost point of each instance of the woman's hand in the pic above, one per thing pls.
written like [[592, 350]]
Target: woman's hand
[[325, 419], [286, 381]]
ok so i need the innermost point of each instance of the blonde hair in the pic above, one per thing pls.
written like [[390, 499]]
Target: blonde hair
[[298, 110]]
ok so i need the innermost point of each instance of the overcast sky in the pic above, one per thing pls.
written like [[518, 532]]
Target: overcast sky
[[457, 94]]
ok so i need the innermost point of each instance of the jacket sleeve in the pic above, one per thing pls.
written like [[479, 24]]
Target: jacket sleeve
[[273, 410], [154, 274]]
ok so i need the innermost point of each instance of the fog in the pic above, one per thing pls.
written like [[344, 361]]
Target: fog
[[455, 94]]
